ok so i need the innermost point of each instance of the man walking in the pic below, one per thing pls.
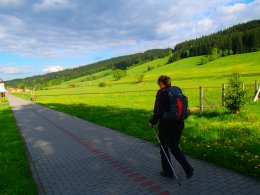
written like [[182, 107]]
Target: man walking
[[169, 130]]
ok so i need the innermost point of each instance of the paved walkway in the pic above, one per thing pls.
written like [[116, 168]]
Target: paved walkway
[[73, 156]]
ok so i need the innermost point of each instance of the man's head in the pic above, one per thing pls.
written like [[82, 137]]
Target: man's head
[[164, 81]]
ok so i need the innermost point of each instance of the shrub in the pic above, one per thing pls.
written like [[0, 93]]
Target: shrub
[[71, 85], [235, 97], [140, 78], [214, 54], [149, 68], [204, 60], [102, 84], [159, 65], [225, 53], [118, 74]]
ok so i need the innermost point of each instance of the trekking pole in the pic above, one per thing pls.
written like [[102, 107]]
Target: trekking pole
[[167, 157]]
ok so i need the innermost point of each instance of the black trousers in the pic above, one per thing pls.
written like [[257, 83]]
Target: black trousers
[[170, 135]]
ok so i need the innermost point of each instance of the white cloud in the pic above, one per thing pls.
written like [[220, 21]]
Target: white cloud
[[58, 28], [52, 4], [229, 15], [206, 23], [11, 22], [10, 27], [204, 26], [53, 69], [10, 70], [167, 28], [6, 3], [232, 8], [3, 33]]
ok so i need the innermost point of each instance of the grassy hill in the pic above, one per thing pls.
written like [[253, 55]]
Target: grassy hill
[[216, 135], [186, 73], [121, 62]]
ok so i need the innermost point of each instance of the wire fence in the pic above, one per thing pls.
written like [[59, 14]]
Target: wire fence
[[213, 97], [199, 98]]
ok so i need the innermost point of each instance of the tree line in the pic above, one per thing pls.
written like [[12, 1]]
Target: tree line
[[241, 38]]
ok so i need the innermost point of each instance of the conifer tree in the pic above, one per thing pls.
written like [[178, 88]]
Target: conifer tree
[[235, 97]]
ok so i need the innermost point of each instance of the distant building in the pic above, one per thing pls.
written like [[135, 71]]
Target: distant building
[[2, 90], [2, 86], [15, 90]]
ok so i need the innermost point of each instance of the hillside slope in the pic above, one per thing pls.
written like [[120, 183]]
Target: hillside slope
[[121, 62], [186, 73]]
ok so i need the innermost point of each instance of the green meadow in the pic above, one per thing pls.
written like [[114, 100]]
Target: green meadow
[[15, 174], [216, 135]]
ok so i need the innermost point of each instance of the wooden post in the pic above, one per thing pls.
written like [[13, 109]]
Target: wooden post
[[223, 94], [201, 99], [243, 86], [257, 96]]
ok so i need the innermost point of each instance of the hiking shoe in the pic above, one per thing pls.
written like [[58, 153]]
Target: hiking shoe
[[166, 175], [190, 173]]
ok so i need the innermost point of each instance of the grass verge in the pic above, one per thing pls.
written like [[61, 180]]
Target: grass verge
[[15, 174], [228, 140]]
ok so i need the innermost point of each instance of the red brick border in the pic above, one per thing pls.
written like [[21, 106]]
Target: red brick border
[[111, 160]]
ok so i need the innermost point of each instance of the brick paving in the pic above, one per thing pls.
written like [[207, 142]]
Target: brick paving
[[72, 156]]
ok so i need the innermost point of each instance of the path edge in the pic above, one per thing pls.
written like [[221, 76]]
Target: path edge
[[34, 173]]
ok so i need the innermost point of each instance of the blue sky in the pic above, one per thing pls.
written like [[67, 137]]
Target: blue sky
[[40, 36]]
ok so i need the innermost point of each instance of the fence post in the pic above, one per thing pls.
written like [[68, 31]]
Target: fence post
[[201, 99], [223, 94], [243, 86]]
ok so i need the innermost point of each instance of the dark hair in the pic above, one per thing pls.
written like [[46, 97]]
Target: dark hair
[[166, 80]]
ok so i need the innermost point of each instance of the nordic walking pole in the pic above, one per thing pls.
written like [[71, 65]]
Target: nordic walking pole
[[167, 157]]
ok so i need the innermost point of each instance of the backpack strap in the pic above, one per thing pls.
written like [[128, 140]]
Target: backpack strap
[[176, 90]]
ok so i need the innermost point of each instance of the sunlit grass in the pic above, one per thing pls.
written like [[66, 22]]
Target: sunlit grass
[[225, 139], [15, 173], [217, 136]]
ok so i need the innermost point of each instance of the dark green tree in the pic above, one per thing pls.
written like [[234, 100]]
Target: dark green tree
[[235, 97], [139, 78], [21, 86], [204, 60], [214, 54], [237, 44], [118, 74]]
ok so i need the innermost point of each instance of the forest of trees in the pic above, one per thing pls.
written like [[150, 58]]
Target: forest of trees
[[241, 38]]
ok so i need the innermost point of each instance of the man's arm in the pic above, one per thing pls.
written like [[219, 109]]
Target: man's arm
[[159, 105]]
